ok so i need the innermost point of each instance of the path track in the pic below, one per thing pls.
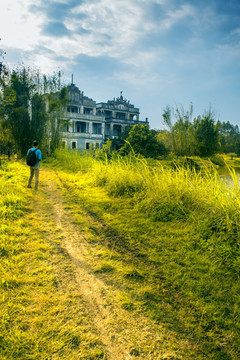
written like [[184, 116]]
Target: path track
[[117, 329]]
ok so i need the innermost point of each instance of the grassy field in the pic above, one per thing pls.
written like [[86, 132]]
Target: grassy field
[[166, 240], [42, 315]]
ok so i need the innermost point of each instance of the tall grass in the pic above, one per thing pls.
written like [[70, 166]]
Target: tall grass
[[72, 160], [164, 193], [184, 225]]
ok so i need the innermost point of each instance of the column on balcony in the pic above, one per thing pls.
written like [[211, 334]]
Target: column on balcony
[[103, 130], [111, 130], [71, 126], [90, 127]]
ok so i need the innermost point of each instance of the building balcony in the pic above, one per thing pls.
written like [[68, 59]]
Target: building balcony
[[123, 121], [78, 116], [77, 135]]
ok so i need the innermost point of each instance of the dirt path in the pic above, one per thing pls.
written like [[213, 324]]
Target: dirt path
[[120, 332]]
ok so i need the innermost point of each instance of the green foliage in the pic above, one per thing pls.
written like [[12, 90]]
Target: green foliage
[[39, 118], [23, 110], [56, 102], [180, 130], [107, 147], [229, 137], [206, 136], [217, 160], [142, 140], [16, 97], [119, 142], [198, 137]]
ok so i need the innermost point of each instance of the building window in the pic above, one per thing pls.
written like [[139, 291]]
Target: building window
[[88, 111], [120, 115], [117, 130], [108, 114], [81, 127], [74, 145], [96, 128], [72, 109], [107, 130], [87, 146], [97, 145]]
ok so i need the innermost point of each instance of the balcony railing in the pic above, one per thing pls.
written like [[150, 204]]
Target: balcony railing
[[83, 116], [82, 135]]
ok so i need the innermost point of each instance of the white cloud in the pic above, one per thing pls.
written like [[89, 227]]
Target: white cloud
[[112, 28], [18, 28], [176, 15]]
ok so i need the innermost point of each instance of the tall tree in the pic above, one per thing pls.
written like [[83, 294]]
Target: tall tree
[[229, 137], [180, 129], [56, 104], [24, 107], [39, 119], [206, 135], [143, 141], [16, 99], [167, 120]]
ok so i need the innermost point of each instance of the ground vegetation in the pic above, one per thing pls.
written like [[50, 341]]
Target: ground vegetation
[[119, 257]]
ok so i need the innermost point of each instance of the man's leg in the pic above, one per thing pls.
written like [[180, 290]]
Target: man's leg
[[30, 177], [36, 173]]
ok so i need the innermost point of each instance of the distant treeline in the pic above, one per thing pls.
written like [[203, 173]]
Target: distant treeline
[[31, 106], [184, 136]]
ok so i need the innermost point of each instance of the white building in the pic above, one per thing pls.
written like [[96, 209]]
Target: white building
[[86, 122]]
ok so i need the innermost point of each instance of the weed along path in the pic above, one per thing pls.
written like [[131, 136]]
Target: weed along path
[[124, 332]]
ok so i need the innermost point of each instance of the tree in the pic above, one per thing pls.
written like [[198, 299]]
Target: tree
[[16, 98], [39, 118], [56, 103], [167, 120], [206, 135], [180, 130], [119, 142], [24, 107], [229, 137], [143, 141]]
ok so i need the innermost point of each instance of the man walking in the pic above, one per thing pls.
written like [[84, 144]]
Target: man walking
[[34, 155]]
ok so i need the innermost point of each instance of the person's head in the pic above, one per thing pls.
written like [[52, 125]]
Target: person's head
[[35, 143]]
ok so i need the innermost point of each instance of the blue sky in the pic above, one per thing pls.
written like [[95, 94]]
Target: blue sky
[[158, 52]]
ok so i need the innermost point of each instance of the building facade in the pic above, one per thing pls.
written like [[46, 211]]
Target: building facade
[[87, 124]]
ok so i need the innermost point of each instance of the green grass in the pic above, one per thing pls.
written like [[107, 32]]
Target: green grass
[[179, 230], [165, 240], [42, 315]]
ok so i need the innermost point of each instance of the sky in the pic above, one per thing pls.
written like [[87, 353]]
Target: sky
[[157, 52]]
